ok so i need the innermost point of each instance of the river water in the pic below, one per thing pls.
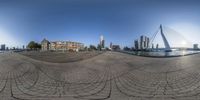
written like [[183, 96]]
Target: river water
[[163, 53]]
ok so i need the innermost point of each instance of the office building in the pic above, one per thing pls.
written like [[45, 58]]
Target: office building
[[23, 47], [115, 47], [102, 41], [61, 45], [110, 45], [3, 47], [136, 43], [45, 44], [142, 43], [195, 47]]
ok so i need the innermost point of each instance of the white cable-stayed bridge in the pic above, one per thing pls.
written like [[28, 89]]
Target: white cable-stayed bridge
[[169, 39]]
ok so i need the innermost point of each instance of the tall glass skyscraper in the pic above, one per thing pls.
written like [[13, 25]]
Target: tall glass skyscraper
[[102, 41]]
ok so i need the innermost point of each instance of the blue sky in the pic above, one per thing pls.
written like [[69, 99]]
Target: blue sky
[[120, 21]]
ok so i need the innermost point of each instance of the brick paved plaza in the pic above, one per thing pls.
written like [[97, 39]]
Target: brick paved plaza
[[109, 75]]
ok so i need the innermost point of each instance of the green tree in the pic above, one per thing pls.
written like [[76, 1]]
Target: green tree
[[37, 46], [33, 45], [92, 47], [86, 48]]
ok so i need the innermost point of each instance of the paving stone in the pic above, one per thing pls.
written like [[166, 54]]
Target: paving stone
[[109, 75]]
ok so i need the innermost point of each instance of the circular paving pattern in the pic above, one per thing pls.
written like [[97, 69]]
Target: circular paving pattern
[[110, 75]]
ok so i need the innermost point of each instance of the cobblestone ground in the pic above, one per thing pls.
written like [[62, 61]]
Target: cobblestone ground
[[111, 75]]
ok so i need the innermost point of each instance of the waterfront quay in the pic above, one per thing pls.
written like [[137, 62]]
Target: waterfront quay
[[106, 75]]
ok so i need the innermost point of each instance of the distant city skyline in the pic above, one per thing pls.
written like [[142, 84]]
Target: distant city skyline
[[119, 21]]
